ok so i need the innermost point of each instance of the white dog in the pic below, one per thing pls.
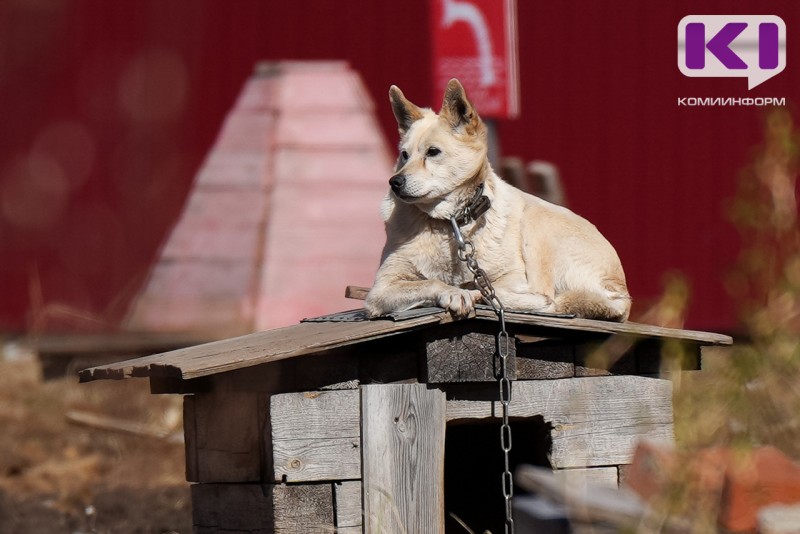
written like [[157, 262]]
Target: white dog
[[538, 256]]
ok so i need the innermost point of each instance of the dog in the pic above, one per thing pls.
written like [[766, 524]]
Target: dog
[[539, 257]]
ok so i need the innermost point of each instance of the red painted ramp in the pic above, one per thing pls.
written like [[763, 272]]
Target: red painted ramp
[[284, 212]]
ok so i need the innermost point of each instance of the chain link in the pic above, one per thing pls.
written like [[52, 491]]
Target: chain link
[[466, 253]]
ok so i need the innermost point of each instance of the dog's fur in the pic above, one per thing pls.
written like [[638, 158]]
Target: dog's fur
[[539, 256]]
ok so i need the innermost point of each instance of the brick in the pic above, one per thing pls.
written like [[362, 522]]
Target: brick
[[762, 477]]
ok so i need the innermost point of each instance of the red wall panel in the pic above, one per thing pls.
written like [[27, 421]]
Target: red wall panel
[[148, 83]]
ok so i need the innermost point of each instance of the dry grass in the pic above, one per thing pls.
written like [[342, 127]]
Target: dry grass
[[59, 477]]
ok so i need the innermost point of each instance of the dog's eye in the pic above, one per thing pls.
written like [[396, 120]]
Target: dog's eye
[[433, 151], [404, 155]]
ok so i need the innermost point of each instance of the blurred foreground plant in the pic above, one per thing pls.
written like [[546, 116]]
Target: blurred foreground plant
[[750, 396]]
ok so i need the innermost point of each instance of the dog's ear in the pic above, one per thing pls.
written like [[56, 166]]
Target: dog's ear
[[457, 109], [404, 111]]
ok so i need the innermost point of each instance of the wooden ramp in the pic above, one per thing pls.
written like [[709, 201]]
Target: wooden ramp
[[283, 212]]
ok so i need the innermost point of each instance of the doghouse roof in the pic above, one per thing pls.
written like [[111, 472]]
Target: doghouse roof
[[350, 328]]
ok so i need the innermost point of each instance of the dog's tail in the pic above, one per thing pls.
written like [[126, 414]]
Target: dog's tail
[[606, 306]]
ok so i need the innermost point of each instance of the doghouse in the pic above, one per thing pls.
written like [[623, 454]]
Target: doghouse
[[343, 424]]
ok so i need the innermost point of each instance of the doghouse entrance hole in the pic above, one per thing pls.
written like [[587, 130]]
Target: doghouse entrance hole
[[473, 467]]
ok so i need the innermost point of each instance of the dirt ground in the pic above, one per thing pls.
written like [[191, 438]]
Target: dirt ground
[[57, 475]]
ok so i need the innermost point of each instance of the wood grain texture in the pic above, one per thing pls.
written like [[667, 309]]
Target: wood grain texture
[[303, 509], [347, 498], [456, 354], [403, 458], [307, 460], [316, 435], [254, 349], [596, 420], [606, 327]]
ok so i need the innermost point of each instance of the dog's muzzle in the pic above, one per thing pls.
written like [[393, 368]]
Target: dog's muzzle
[[397, 182]]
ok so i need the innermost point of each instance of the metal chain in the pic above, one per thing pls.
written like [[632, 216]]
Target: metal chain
[[466, 253]]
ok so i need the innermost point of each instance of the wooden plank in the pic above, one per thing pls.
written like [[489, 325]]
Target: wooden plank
[[607, 327], [316, 435], [347, 499], [463, 353], [591, 476], [315, 414], [307, 460], [254, 349], [303, 509], [596, 420], [356, 292], [223, 443], [232, 508], [312, 337], [403, 458]]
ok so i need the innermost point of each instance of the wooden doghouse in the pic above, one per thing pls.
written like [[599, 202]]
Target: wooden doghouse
[[350, 425]]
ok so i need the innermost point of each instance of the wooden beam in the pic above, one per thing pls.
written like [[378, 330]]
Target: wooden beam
[[403, 458], [356, 292], [463, 353], [596, 420]]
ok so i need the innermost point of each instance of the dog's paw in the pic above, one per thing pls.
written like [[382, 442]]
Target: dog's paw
[[459, 302]]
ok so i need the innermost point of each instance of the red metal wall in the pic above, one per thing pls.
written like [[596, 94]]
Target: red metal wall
[[109, 107]]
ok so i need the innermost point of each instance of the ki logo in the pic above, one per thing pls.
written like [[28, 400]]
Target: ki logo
[[732, 46]]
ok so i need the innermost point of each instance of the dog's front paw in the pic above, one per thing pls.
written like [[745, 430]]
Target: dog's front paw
[[459, 302]]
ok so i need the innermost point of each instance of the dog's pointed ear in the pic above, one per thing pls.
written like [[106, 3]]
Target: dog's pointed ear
[[457, 109], [405, 112]]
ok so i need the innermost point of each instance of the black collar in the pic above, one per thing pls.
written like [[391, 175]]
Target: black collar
[[475, 207]]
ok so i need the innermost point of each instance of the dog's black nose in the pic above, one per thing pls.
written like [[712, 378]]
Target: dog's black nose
[[397, 182]]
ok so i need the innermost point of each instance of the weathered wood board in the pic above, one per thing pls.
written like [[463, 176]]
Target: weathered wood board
[[459, 354], [303, 509], [596, 420], [403, 458], [222, 432], [347, 501], [255, 349], [316, 436]]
